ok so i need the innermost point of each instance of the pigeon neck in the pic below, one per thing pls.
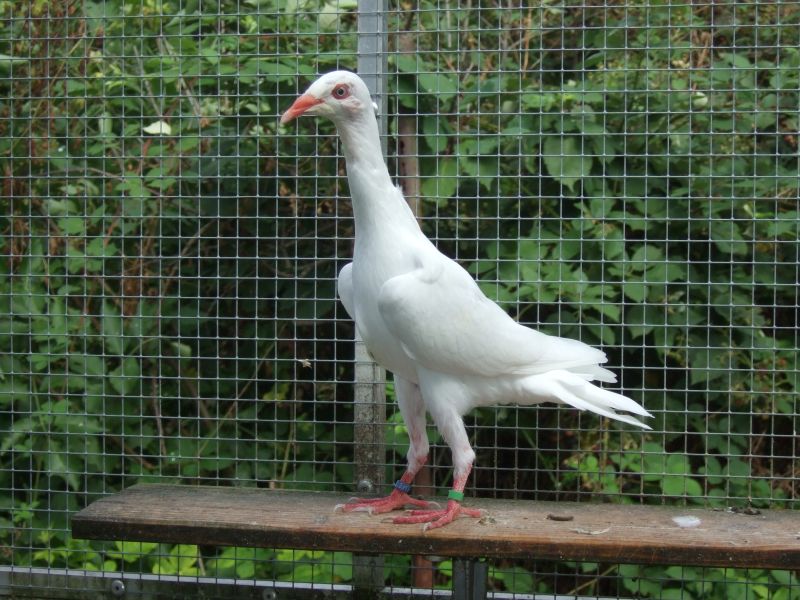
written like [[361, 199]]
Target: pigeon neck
[[376, 202], [362, 143]]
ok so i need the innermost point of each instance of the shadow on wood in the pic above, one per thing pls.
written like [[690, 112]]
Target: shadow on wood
[[226, 516]]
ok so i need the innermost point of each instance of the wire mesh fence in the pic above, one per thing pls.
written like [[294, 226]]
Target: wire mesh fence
[[621, 173]]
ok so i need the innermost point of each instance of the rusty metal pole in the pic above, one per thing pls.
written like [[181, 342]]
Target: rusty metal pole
[[370, 378], [408, 171]]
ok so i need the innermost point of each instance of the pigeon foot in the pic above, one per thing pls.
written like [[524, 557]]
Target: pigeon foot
[[375, 506], [438, 518]]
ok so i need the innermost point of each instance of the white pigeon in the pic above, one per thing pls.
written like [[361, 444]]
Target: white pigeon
[[423, 317]]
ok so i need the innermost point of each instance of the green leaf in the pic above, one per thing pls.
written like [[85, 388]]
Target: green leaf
[[72, 225], [134, 185], [86, 364], [188, 144], [181, 349], [676, 481], [21, 429], [332, 13], [740, 61], [158, 128], [407, 63], [7, 61], [480, 146], [484, 169], [105, 125], [653, 458], [130, 552], [610, 310], [445, 183], [518, 581], [112, 329], [441, 85], [636, 320], [728, 238], [125, 378], [712, 470], [538, 102], [211, 55], [603, 332], [635, 290], [99, 248], [57, 467], [187, 559], [647, 253], [564, 161], [436, 133]]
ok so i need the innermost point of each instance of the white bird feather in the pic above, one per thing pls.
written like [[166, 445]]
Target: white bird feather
[[423, 317]]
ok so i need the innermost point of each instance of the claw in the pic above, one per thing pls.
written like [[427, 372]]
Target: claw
[[359, 508], [376, 506], [434, 519]]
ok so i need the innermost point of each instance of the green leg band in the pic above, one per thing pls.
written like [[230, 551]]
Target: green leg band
[[455, 495]]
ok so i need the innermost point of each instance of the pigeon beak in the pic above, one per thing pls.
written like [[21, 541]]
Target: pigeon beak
[[300, 106]]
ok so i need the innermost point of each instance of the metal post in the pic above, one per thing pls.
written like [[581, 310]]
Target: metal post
[[370, 378], [373, 56], [469, 579]]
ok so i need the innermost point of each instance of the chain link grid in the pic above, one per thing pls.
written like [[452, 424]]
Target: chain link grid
[[622, 174]]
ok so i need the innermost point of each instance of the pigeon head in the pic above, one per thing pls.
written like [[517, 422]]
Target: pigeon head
[[340, 96]]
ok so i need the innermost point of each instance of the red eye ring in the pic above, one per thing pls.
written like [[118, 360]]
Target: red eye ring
[[341, 91]]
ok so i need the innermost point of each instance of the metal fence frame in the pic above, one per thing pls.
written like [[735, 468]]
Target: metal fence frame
[[370, 420]]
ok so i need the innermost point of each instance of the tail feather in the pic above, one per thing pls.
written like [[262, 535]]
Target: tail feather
[[571, 388], [594, 372]]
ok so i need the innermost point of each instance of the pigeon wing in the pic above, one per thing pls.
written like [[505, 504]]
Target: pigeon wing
[[446, 324]]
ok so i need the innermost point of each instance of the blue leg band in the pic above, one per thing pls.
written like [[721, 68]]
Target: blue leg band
[[402, 486]]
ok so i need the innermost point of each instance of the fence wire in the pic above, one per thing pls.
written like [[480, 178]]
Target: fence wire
[[617, 172]]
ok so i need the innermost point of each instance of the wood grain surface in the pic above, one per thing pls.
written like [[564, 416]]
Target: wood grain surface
[[227, 516]]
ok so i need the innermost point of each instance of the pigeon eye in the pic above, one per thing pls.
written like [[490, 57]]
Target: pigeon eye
[[341, 91]]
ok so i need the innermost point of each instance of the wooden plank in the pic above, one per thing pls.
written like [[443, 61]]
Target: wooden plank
[[225, 516]]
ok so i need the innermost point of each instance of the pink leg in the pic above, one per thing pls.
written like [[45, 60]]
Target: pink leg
[[441, 517], [394, 501], [451, 426], [413, 410]]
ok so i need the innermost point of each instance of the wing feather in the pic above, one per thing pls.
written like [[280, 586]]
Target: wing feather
[[447, 324], [344, 285]]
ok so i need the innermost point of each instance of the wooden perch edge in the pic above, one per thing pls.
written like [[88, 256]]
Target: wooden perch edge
[[228, 516]]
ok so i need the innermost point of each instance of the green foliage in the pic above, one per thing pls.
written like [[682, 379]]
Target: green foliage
[[706, 584], [624, 175], [130, 252], [647, 194]]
